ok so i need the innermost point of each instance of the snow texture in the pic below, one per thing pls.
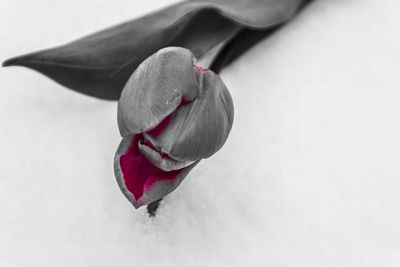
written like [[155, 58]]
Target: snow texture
[[310, 175]]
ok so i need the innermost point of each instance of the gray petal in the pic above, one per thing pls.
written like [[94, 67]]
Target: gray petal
[[199, 129], [156, 89]]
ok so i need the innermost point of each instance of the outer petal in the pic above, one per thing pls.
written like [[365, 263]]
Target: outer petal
[[153, 189], [162, 188], [164, 163], [199, 129], [156, 89]]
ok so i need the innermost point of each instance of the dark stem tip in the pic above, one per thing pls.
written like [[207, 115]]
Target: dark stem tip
[[152, 207]]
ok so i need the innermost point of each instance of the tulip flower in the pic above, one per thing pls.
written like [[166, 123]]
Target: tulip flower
[[171, 114]]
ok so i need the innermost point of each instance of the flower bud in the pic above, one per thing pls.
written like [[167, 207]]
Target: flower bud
[[171, 114]]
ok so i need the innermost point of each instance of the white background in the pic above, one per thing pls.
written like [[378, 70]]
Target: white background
[[310, 175]]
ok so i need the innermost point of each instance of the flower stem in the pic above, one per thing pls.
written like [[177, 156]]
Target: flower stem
[[152, 207]]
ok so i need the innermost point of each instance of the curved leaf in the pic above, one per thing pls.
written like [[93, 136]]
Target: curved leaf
[[100, 64]]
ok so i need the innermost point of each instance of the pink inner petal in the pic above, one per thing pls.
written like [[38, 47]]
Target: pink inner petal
[[199, 69], [160, 127], [139, 173]]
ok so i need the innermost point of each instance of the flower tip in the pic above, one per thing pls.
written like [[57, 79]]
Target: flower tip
[[135, 204]]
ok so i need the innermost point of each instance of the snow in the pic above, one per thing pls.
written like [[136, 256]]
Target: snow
[[310, 175]]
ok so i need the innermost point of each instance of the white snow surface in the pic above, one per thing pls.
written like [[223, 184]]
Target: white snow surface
[[310, 175]]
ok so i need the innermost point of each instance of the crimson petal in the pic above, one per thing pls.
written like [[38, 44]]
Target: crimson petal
[[139, 180]]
